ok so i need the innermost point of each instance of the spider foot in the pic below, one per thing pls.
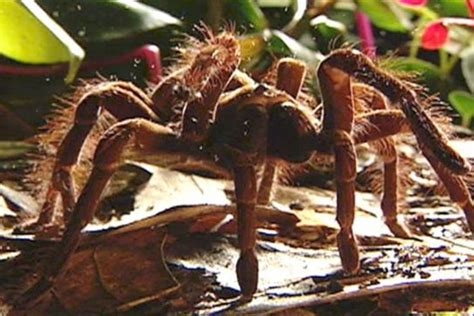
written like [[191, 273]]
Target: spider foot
[[247, 274], [348, 251], [397, 228]]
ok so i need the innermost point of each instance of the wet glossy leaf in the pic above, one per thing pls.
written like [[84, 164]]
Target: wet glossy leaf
[[39, 40], [283, 14], [246, 15], [463, 102], [282, 45], [92, 22], [450, 7], [429, 73], [327, 33], [384, 15]]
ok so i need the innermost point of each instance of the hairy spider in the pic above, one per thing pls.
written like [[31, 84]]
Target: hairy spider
[[207, 109]]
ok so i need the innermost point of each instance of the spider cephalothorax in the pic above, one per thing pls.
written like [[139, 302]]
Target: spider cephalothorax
[[250, 126]]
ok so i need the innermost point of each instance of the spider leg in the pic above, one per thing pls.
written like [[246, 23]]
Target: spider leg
[[383, 123], [455, 185], [144, 135], [244, 146], [246, 199], [290, 78], [338, 122], [387, 151], [424, 128], [266, 183], [123, 100]]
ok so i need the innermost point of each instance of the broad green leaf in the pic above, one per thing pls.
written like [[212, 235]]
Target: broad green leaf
[[246, 12], [281, 45], [467, 66], [328, 34], [429, 73], [385, 15], [449, 7], [106, 20], [29, 35], [283, 14], [344, 16], [463, 102]]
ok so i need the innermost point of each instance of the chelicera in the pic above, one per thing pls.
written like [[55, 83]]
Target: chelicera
[[208, 109]]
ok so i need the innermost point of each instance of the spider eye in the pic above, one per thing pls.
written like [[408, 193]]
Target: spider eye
[[180, 92]]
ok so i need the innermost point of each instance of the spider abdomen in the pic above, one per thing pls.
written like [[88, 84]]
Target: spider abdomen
[[290, 133]]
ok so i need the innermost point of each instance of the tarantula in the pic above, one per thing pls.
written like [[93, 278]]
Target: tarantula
[[206, 108]]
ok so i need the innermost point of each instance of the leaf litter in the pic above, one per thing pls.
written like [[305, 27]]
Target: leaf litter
[[175, 250]]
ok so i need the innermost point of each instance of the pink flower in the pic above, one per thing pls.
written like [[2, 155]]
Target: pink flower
[[414, 3], [470, 7], [436, 34]]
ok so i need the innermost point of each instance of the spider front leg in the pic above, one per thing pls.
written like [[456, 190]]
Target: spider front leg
[[386, 149], [240, 136], [338, 122], [291, 74], [246, 200], [123, 100], [146, 136]]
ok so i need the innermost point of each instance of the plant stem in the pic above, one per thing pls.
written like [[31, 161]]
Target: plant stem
[[444, 63]]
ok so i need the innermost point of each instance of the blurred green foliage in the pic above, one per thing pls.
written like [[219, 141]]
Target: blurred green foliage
[[268, 29]]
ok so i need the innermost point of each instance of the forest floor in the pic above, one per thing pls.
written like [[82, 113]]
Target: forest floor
[[175, 250]]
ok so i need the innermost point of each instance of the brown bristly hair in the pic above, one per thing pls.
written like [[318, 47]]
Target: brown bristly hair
[[58, 123], [199, 74], [196, 78], [399, 92]]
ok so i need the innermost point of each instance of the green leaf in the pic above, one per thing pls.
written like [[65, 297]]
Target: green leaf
[[246, 15], [283, 14], [29, 35], [328, 34], [450, 7], [385, 15], [467, 66], [428, 72], [463, 102], [103, 21], [246, 12], [281, 45]]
